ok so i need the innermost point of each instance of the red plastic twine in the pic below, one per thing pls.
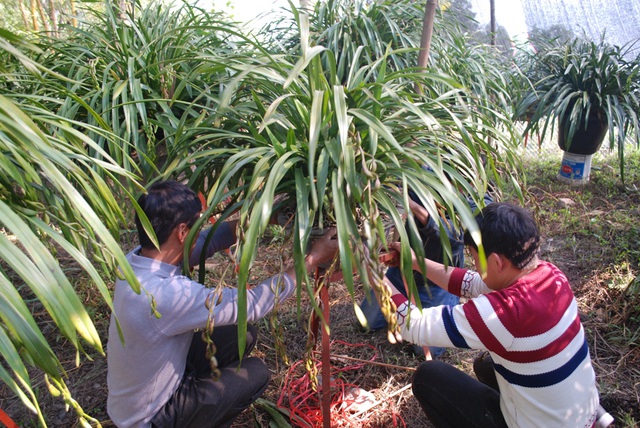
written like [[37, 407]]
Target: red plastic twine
[[298, 395], [303, 403], [7, 421]]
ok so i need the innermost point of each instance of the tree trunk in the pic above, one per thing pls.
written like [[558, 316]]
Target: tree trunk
[[53, 15], [74, 13], [493, 21], [34, 15], [43, 16], [427, 31], [425, 40], [25, 20], [306, 5]]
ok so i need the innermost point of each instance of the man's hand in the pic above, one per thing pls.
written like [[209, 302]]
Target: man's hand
[[395, 246], [323, 250], [420, 212], [391, 258]]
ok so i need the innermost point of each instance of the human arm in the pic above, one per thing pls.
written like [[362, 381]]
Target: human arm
[[263, 297], [419, 212], [441, 325], [437, 273], [446, 326], [432, 231], [224, 236], [427, 227], [458, 281]]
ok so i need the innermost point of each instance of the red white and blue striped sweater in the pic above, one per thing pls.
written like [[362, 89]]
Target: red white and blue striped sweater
[[534, 335]]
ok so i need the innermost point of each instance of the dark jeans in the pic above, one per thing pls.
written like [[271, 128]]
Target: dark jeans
[[202, 402], [452, 398]]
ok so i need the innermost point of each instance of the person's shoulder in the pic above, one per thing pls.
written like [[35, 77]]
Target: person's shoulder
[[546, 277], [180, 280], [547, 266]]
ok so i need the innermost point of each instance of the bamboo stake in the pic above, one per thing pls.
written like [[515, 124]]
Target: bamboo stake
[[23, 13], [53, 16], [326, 360], [43, 17], [34, 15], [425, 40], [74, 13]]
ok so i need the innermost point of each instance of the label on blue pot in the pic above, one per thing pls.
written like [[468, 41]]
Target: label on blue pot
[[575, 167]]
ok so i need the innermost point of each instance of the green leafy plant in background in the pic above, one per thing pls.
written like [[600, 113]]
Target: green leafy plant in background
[[484, 75], [75, 133], [578, 83], [53, 198], [138, 75], [359, 32]]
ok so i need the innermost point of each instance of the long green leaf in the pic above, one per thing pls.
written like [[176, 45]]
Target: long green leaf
[[46, 279]]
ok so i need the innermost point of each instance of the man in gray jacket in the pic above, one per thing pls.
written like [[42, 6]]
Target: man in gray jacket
[[160, 376]]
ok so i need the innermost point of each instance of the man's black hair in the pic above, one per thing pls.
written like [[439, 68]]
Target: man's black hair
[[167, 204], [508, 230]]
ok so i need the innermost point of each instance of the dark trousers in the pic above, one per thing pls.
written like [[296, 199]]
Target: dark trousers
[[452, 398], [200, 401]]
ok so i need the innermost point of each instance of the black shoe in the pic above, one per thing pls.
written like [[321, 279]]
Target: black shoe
[[483, 368], [418, 351]]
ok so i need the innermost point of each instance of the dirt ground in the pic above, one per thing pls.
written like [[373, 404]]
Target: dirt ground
[[583, 230]]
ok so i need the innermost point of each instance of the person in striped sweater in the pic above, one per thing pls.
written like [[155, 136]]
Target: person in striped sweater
[[523, 312]]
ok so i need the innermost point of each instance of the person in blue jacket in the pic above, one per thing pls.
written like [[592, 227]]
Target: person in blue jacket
[[429, 293]]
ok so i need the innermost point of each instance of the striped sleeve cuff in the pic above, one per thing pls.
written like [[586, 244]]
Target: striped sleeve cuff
[[398, 299], [455, 281]]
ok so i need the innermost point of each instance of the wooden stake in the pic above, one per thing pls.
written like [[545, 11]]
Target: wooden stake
[[326, 359]]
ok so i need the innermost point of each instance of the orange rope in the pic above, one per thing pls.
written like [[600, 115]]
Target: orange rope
[[314, 409], [304, 404], [7, 421]]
